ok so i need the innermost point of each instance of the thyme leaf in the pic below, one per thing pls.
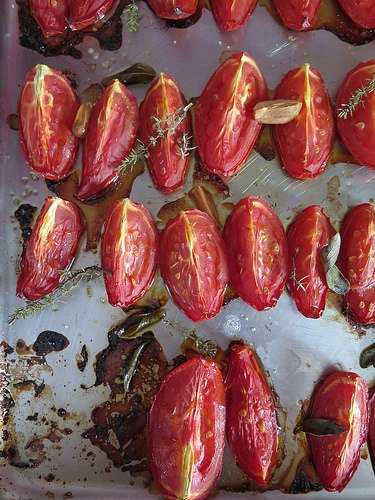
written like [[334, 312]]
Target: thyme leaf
[[69, 280], [134, 17], [348, 108]]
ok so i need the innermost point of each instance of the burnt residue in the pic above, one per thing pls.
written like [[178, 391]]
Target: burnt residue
[[265, 145], [25, 216], [13, 121], [82, 358], [136, 74], [120, 423], [25, 385], [303, 483], [50, 341], [107, 33]]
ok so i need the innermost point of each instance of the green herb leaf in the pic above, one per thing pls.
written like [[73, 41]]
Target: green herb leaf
[[367, 357], [134, 17]]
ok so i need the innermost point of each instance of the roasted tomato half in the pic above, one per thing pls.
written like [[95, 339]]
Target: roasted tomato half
[[298, 15], [129, 252], [111, 134], [86, 13], [51, 16], [357, 262], [342, 397], [50, 249], [304, 145], [174, 9], [193, 264], [187, 430], [225, 129], [257, 252], [371, 428], [47, 109], [252, 430], [232, 14], [361, 12], [167, 164], [357, 128], [308, 234]]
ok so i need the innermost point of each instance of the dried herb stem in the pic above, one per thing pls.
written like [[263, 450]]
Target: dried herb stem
[[348, 108], [134, 17], [69, 281]]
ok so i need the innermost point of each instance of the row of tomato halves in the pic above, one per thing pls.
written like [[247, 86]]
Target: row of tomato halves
[[194, 409], [226, 126], [54, 18], [197, 261]]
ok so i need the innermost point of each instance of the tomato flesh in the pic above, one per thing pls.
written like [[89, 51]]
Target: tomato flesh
[[187, 430], [47, 109], [166, 163], [232, 14], [343, 398], [193, 264], [257, 253], [50, 249], [174, 9], [111, 135], [50, 15], [357, 130], [225, 128], [86, 13], [251, 427], [298, 15], [357, 261], [304, 145], [129, 251], [308, 234], [361, 12]]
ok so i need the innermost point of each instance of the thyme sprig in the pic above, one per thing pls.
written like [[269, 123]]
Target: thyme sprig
[[162, 127], [134, 17], [348, 108], [69, 281]]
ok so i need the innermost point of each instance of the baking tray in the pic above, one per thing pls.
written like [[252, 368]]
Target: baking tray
[[294, 350]]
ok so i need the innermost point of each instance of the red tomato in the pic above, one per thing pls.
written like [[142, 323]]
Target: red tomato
[[129, 252], [357, 261], [252, 430], [341, 397], [50, 249], [357, 131], [310, 231], [371, 428], [225, 129], [257, 252], [174, 9], [47, 109], [298, 15], [232, 14], [361, 12], [50, 15], [86, 13], [111, 135], [193, 264], [167, 166], [304, 145], [187, 430]]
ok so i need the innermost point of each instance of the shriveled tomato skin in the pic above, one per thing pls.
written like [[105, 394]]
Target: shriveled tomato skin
[[342, 397], [225, 128], [166, 164], [251, 427], [187, 430], [111, 134], [174, 9], [232, 14], [304, 145], [129, 252], [357, 261], [193, 264], [50, 15], [298, 15], [86, 13], [371, 427], [357, 131], [257, 252], [361, 12], [47, 109], [50, 249], [308, 234]]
